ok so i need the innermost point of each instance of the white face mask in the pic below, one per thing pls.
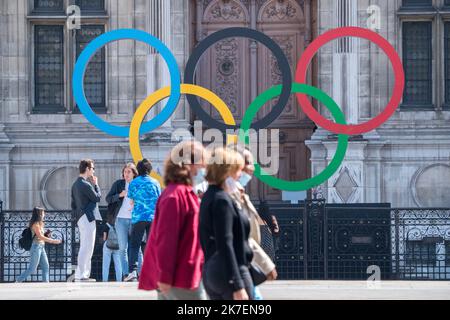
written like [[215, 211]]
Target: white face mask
[[231, 185], [199, 177], [244, 179]]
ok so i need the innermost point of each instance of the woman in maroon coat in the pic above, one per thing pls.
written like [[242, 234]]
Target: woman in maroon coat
[[173, 258]]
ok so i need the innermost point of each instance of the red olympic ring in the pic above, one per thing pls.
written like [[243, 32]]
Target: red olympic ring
[[397, 94]]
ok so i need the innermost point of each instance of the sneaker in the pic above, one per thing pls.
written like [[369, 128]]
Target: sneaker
[[85, 280], [131, 277]]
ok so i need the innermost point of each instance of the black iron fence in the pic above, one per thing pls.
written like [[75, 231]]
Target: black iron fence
[[353, 242], [62, 258], [422, 244], [316, 241]]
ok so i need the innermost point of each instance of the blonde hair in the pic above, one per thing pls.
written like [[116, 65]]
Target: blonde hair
[[223, 163]]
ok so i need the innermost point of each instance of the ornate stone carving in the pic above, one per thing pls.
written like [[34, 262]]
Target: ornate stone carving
[[227, 79], [285, 42], [225, 11], [261, 3], [345, 186], [281, 10]]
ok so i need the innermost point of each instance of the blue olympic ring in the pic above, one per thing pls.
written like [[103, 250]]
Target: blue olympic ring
[[89, 51]]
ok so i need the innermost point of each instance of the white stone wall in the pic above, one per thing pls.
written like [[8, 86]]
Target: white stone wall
[[407, 160], [33, 147]]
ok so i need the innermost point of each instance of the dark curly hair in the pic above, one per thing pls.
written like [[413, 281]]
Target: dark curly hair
[[144, 167]]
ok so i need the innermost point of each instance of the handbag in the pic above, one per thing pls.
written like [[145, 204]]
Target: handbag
[[111, 212], [267, 241], [112, 242], [257, 274]]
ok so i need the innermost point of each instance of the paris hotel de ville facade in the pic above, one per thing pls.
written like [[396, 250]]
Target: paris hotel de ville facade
[[43, 136]]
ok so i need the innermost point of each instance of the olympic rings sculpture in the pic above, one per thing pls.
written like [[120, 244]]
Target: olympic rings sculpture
[[284, 90]]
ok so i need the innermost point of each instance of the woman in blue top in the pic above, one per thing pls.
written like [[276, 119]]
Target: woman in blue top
[[143, 192]]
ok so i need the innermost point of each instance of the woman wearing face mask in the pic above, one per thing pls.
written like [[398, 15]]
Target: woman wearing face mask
[[224, 231], [174, 260], [237, 193]]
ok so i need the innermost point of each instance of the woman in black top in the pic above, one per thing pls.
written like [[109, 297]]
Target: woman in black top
[[224, 232]]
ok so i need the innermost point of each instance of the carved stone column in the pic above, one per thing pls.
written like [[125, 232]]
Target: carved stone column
[[253, 53], [346, 61], [5, 148], [157, 72]]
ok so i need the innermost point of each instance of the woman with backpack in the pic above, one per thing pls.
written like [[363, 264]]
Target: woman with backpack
[[38, 256]]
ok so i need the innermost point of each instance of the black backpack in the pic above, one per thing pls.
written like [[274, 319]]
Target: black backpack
[[26, 240]]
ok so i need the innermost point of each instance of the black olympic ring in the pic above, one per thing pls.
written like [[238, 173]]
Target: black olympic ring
[[278, 53]]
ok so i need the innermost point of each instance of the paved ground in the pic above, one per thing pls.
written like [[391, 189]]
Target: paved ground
[[278, 290]]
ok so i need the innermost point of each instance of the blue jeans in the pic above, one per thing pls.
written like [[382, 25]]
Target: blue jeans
[[257, 293], [38, 256], [123, 229], [107, 253]]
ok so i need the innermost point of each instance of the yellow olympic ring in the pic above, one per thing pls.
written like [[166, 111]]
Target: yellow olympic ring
[[151, 100]]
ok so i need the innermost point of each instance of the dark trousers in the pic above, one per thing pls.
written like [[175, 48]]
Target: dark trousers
[[218, 289], [136, 234]]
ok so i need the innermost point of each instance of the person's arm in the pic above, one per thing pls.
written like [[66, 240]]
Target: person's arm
[[72, 203], [131, 190], [158, 189], [115, 194], [261, 258], [276, 228], [92, 192], [38, 234], [223, 213], [166, 244], [131, 194]]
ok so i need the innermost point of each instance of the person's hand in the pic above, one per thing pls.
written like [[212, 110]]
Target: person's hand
[[240, 295], [276, 228], [123, 194], [131, 205], [95, 180], [273, 275], [57, 241], [164, 288]]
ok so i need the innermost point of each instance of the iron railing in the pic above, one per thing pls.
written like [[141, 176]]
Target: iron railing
[[316, 241], [62, 258], [348, 242]]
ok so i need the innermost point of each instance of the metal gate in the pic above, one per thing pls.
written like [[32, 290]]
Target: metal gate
[[353, 241], [62, 258], [316, 241]]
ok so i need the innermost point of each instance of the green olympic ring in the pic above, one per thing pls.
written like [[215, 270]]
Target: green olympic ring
[[342, 138]]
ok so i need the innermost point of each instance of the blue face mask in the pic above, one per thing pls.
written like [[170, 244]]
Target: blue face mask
[[244, 179], [199, 177]]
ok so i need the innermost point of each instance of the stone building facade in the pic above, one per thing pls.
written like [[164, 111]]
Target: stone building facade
[[42, 133], [406, 161], [42, 136]]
